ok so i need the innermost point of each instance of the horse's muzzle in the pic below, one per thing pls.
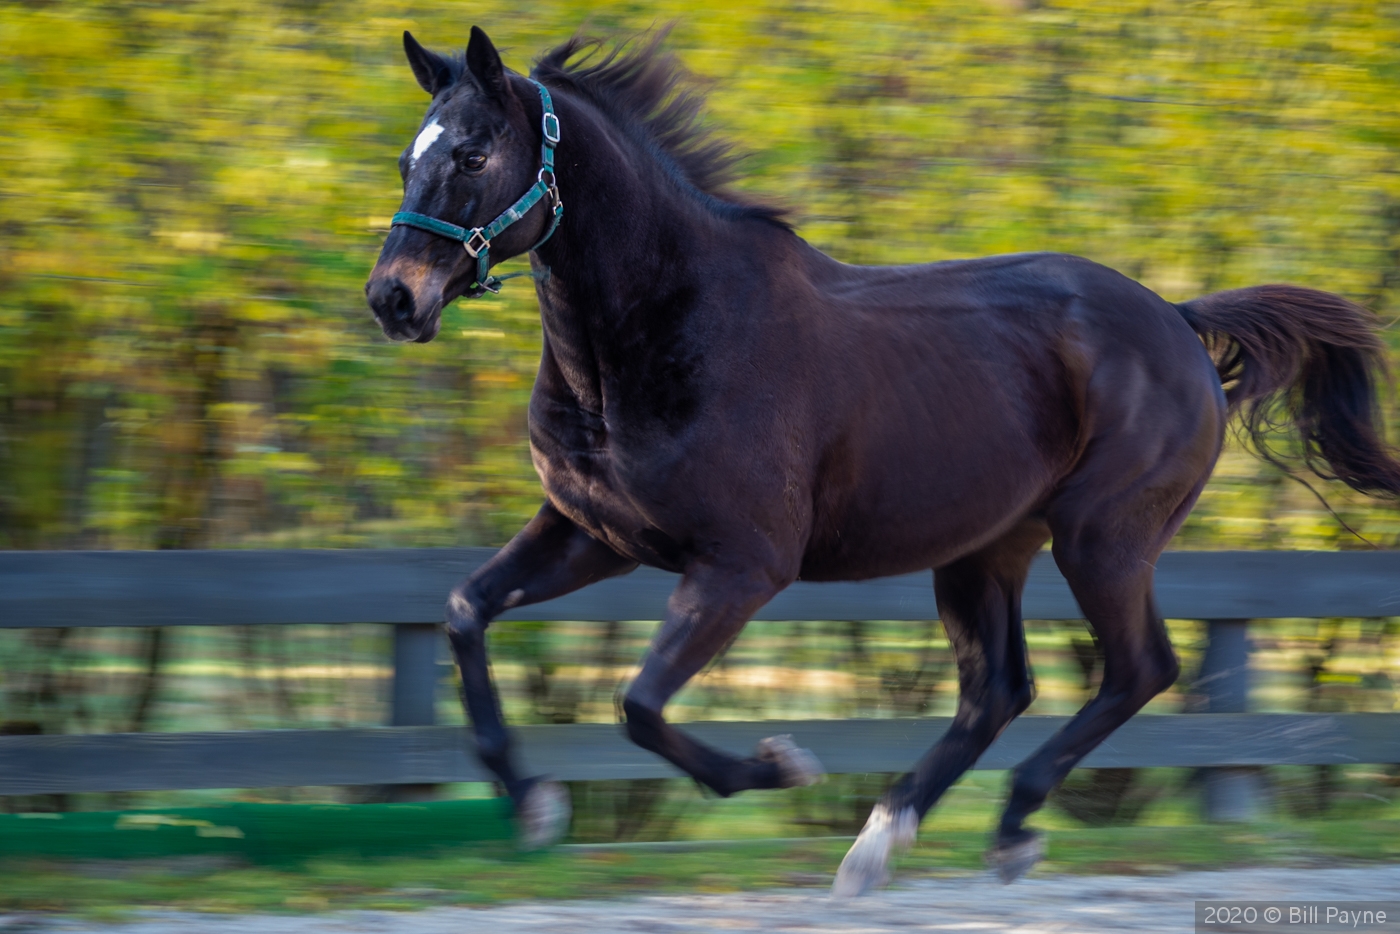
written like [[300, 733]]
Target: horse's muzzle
[[396, 309]]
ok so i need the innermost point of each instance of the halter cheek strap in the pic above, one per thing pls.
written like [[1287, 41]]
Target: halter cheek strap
[[477, 240]]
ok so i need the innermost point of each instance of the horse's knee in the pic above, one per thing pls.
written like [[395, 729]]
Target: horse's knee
[[644, 724], [466, 623]]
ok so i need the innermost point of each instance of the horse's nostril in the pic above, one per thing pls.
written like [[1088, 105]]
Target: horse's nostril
[[401, 304], [391, 301]]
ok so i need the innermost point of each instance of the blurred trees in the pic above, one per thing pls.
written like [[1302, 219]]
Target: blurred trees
[[191, 195]]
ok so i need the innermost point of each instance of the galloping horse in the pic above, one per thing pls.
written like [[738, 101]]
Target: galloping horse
[[720, 399]]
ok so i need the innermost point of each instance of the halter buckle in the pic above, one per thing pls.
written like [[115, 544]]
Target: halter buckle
[[472, 247], [549, 123]]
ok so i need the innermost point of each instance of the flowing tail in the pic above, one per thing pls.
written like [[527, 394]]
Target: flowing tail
[[1309, 359]]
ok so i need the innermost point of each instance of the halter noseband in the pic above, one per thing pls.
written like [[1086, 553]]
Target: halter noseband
[[477, 240]]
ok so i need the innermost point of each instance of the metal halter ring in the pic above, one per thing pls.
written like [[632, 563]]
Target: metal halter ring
[[473, 248]]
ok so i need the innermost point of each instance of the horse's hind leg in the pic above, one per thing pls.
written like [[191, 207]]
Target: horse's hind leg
[[979, 601], [1106, 548], [706, 611]]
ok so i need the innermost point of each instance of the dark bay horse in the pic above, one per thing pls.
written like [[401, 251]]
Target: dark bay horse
[[718, 398]]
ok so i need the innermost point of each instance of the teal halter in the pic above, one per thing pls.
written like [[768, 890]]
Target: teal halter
[[477, 240]]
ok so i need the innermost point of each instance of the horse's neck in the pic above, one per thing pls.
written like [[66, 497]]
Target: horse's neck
[[621, 257]]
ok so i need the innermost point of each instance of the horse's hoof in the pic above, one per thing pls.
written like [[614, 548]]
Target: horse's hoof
[[796, 766], [544, 815], [864, 866], [1012, 861]]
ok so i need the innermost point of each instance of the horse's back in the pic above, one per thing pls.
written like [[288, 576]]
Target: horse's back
[[1024, 286], [1018, 310]]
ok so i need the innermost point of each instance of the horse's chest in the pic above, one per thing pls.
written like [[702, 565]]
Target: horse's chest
[[577, 464]]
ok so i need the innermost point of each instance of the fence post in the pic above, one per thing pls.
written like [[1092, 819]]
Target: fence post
[[1231, 794], [413, 698]]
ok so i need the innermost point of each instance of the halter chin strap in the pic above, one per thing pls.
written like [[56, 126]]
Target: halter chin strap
[[477, 240]]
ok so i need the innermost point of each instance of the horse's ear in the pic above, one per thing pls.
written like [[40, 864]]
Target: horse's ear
[[484, 63], [428, 67]]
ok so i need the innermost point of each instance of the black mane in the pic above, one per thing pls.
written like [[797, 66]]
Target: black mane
[[650, 95]]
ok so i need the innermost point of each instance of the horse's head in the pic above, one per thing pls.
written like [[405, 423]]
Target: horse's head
[[475, 153]]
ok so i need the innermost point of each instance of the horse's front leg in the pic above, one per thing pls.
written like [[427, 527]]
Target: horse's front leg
[[706, 611], [548, 558]]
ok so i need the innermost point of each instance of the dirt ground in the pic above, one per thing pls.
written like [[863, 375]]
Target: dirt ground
[[1060, 904]]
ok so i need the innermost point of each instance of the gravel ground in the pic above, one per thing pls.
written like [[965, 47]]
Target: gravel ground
[[1059, 904]]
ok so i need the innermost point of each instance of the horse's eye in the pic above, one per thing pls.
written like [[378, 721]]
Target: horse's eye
[[473, 162]]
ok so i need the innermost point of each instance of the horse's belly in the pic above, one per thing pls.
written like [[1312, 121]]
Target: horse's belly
[[855, 558], [887, 527]]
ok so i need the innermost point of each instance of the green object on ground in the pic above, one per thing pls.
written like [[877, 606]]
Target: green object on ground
[[487, 873], [258, 833]]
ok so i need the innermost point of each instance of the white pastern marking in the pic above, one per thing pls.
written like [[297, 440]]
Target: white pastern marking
[[425, 139]]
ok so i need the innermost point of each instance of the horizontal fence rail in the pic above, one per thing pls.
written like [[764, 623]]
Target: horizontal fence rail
[[408, 587], [587, 751], [223, 588]]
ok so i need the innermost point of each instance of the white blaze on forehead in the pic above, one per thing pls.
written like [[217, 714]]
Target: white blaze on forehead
[[425, 139]]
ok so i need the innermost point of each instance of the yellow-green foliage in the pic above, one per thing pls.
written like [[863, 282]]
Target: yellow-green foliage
[[191, 195]]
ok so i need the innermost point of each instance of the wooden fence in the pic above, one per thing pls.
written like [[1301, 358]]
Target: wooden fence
[[407, 588]]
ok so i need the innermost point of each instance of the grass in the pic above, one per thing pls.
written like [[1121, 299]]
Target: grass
[[1361, 825], [488, 874]]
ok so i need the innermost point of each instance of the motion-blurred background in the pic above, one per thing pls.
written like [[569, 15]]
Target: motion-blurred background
[[192, 194]]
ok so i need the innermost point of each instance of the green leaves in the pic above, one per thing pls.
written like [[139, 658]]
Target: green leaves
[[192, 195]]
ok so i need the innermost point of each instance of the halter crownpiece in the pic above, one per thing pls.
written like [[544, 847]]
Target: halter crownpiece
[[477, 240]]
